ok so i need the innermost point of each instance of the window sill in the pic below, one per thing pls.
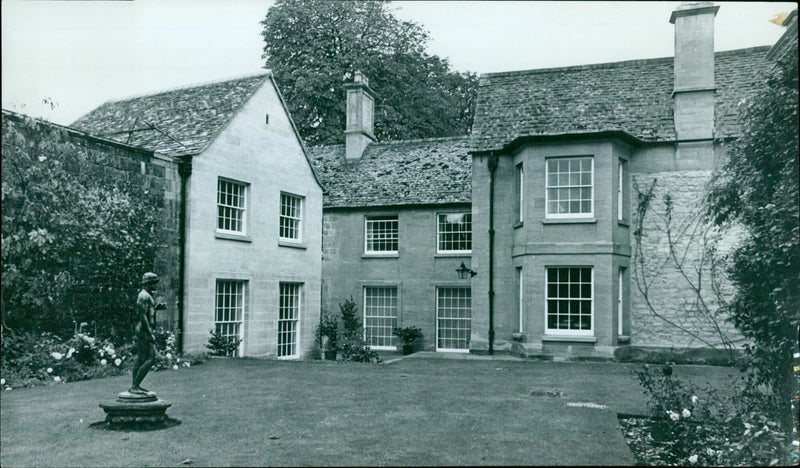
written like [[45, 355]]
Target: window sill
[[465, 253], [519, 224], [570, 221], [233, 237], [379, 255], [573, 338], [294, 245], [623, 223]]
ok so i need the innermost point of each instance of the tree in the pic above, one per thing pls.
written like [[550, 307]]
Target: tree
[[74, 238], [314, 46], [758, 190]]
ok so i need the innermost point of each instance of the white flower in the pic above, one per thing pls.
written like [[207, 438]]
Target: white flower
[[8, 389], [673, 415], [57, 378], [70, 352], [2, 381], [187, 364], [49, 370], [42, 158], [117, 361], [686, 413], [101, 353], [710, 452], [57, 356], [103, 362], [693, 459], [178, 360], [695, 399], [175, 367], [169, 356]]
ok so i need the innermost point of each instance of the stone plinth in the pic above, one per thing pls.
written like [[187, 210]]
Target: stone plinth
[[136, 408]]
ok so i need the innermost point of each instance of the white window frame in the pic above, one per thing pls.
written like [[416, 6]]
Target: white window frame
[[292, 322], [621, 301], [238, 321], [298, 220], [468, 320], [376, 219], [561, 331], [245, 189], [392, 340], [520, 175], [439, 232], [520, 299], [620, 190], [548, 214]]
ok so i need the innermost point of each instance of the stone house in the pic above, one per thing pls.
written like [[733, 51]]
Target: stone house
[[556, 164], [249, 210], [563, 157], [396, 226]]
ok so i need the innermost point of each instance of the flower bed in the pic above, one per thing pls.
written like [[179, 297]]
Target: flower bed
[[688, 426], [30, 359]]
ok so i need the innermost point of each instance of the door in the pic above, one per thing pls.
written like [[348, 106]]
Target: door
[[453, 319]]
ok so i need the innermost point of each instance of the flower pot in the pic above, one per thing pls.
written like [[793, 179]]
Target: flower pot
[[330, 355], [408, 348]]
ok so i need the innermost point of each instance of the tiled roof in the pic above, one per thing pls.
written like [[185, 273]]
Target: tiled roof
[[434, 170], [175, 122], [633, 96]]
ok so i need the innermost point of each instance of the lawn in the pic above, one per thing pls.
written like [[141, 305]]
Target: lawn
[[411, 412]]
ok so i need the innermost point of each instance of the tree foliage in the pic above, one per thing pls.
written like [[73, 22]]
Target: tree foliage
[[314, 46], [758, 189], [75, 238]]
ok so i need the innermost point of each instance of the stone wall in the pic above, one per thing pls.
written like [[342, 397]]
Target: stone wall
[[677, 316]]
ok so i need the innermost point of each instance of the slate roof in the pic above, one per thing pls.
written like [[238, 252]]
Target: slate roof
[[409, 172], [174, 122], [633, 96]]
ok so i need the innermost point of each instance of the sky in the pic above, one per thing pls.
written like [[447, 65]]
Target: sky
[[79, 54]]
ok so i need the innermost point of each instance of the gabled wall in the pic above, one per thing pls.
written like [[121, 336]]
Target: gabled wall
[[268, 157]]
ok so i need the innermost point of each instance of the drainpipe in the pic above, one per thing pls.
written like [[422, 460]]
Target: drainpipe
[[184, 170], [492, 164]]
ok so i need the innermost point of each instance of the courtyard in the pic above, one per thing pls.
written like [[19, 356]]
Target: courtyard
[[425, 409]]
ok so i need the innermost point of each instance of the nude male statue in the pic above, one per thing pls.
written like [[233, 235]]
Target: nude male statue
[[146, 308]]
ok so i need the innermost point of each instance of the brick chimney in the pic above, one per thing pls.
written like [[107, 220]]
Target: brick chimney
[[360, 103], [693, 93]]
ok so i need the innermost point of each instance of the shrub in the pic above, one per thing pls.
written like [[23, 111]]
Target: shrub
[[221, 345], [30, 359], [692, 426], [353, 345], [407, 334], [328, 327]]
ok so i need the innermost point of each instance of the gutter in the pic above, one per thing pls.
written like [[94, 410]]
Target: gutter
[[184, 170], [492, 165]]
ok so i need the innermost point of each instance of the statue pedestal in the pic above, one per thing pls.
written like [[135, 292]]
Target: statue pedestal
[[132, 408]]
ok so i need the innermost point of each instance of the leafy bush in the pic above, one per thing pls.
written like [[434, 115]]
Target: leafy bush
[[76, 238], [407, 334], [328, 328], [30, 359], [692, 426], [758, 189], [353, 345], [221, 345]]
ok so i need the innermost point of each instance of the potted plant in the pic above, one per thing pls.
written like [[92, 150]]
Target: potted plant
[[409, 335], [327, 335]]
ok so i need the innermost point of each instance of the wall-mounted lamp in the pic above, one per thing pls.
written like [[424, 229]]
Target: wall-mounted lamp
[[463, 271]]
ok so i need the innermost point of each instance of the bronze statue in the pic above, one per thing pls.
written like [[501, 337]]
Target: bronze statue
[[146, 308]]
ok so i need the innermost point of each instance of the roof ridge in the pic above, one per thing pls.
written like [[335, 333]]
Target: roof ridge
[[596, 66], [423, 140], [264, 74]]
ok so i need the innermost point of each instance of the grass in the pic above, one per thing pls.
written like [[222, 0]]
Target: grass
[[412, 412]]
